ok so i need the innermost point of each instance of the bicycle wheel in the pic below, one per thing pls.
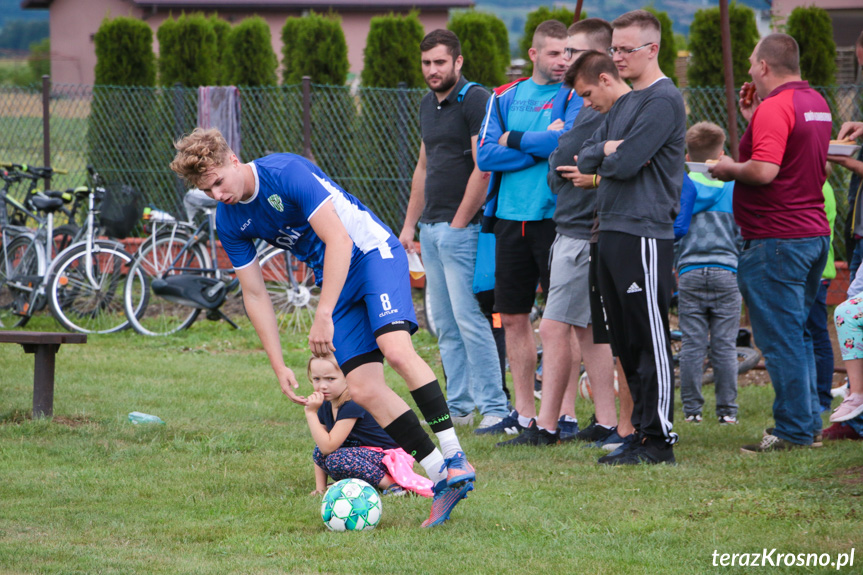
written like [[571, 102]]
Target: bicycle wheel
[[148, 313], [90, 302], [292, 289], [63, 237], [747, 358], [19, 265]]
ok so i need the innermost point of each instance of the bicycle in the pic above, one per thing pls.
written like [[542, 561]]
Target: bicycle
[[182, 276], [80, 283], [26, 252], [87, 279]]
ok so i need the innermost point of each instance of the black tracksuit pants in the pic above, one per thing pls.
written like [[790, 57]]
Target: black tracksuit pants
[[635, 282]]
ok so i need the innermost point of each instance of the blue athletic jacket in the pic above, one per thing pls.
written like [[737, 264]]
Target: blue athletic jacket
[[530, 147]]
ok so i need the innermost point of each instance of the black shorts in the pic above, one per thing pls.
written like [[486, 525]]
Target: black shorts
[[599, 321], [522, 261]]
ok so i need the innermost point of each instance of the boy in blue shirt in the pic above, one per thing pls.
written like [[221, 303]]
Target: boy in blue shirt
[[362, 269], [709, 300]]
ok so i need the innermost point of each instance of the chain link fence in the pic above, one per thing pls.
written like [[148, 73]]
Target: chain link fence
[[366, 139]]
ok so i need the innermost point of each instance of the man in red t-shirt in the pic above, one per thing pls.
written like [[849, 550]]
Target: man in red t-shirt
[[779, 206]]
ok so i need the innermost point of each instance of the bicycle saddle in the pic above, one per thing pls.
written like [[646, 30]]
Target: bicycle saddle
[[46, 204]]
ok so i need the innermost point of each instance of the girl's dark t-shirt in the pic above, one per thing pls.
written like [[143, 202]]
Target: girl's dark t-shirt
[[366, 431]]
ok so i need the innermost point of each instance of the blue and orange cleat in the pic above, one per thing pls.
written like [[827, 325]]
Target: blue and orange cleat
[[458, 470], [445, 500]]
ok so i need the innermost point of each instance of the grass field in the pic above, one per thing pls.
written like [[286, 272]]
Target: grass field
[[224, 486]]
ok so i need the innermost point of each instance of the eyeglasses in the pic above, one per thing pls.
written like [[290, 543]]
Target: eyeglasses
[[623, 51], [570, 52]]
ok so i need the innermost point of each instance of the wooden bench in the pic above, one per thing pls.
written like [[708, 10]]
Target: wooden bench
[[44, 345]]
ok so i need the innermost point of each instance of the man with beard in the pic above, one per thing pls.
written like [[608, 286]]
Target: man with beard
[[447, 193], [519, 132]]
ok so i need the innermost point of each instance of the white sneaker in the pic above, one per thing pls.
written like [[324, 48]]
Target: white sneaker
[[841, 391], [463, 419], [489, 420]]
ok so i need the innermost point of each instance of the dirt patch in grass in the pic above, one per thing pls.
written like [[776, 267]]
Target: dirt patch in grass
[[74, 421], [19, 416], [851, 475]]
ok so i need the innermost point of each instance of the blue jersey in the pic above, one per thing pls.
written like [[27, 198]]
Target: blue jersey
[[289, 190]]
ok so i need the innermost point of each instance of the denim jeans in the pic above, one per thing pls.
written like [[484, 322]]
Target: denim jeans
[[467, 347], [709, 307], [816, 323], [779, 279]]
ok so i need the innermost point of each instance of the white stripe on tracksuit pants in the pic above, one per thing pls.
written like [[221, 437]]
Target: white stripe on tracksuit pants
[[635, 280]]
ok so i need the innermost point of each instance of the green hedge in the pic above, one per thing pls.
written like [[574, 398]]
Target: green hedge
[[392, 52], [484, 45], [188, 51], [251, 60], [315, 46], [705, 45], [812, 28]]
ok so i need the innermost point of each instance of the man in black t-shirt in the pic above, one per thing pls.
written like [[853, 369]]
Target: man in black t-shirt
[[447, 193]]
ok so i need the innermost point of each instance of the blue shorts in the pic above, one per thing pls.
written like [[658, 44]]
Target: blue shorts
[[375, 299]]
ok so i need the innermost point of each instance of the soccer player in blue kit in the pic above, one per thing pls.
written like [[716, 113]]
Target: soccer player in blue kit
[[365, 312]]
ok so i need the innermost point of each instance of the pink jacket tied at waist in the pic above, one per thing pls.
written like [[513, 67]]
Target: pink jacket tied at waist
[[400, 466]]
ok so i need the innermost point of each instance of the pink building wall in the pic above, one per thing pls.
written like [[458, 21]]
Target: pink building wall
[[73, 24]]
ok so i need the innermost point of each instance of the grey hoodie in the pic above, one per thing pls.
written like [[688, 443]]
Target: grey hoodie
[[639, 193], [575, 208]]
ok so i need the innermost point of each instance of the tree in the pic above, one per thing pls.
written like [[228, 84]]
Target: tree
[[315, 46], [392, 52], [667, 48], [221, 29], [812, 28], [484, 45], [39, 60], [536, 18], [251, 60], [705, 45], [124, 53], [187, 51]]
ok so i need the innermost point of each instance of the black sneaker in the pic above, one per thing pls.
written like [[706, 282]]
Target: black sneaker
[[649, 451], [508, 425], [533, 435], [594, 432]]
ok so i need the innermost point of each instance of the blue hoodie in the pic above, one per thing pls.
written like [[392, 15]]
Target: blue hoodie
[[524, 149], [712, 240]]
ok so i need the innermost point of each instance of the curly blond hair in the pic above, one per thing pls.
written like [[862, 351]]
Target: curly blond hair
[[198, 153]]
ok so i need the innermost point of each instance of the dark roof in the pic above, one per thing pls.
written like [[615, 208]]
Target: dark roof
[[271, 5]]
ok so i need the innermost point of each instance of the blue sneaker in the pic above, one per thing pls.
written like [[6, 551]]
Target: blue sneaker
[[628, 442], [445, 500], [611, 442], [458, 470], [508, 425], [568, 429]]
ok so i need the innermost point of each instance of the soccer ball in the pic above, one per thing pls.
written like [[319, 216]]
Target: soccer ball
[[351, 505], [584, 390]]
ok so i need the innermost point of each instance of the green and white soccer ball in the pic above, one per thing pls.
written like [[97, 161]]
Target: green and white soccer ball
[[351, 505]]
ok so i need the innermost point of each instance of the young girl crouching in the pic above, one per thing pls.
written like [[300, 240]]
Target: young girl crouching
[[349, 442]]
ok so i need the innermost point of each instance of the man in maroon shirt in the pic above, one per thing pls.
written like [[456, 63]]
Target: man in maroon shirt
[[779, 206]]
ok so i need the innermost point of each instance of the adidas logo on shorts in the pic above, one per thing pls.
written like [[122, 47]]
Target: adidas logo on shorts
[[633, 288]]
